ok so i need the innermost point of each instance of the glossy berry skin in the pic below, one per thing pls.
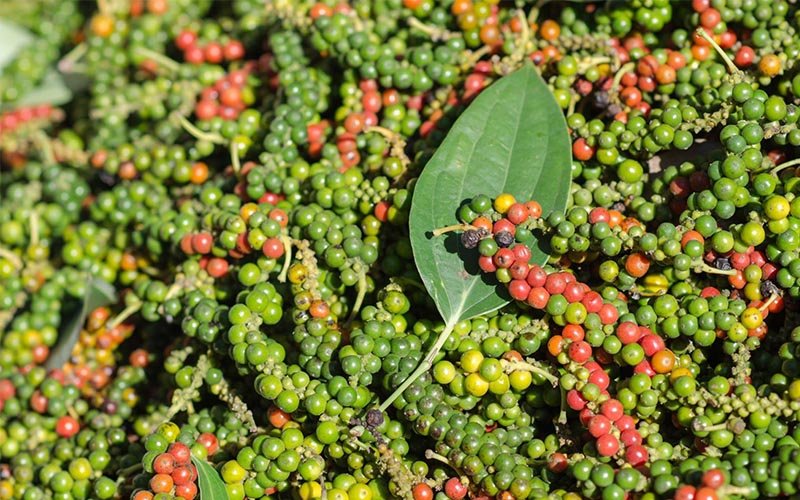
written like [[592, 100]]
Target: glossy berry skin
[[455, 489], [67, 426]]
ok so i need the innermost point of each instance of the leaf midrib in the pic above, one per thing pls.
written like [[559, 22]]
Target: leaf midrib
[[459, 160]]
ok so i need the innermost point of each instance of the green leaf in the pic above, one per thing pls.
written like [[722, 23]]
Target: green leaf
[[12, 38], [52, 90], [512, 138], [209, 482], [98, 293]]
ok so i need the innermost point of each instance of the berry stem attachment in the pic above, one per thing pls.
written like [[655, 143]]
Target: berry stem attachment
[[424, 366], [731, 66], [454, 227]]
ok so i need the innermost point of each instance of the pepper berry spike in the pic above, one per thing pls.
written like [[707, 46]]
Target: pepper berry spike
[[575, 306]]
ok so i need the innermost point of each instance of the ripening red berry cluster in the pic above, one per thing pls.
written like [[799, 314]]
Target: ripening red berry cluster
[[10, 120], [7, 391], [209, 52], [613, 431], [202, 243], [227, 98], [174, 472], [712, 486]]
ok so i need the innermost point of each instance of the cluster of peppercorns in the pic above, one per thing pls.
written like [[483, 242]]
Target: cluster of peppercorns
[[206, 269]]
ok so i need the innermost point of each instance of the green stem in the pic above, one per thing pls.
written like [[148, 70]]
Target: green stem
[[362, 291], [161, 59], [436, 33], [772, 298], [786, 164], [432, 455], [11, 257], [562, 413], [130, 470], [67, 63], [424, 366], [731, 67], [287, 259], [123, 315], [620, 73], [730, 490], [235, 158], [454, 227], [182, 398], [511, 366], [703, 267], [34, 228], [199, 134]]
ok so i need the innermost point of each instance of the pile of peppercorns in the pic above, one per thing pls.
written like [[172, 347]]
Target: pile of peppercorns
[[208, 289]]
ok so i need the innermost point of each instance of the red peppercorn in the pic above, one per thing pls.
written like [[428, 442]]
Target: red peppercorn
[[519, 289], [636, 455], [575, 400], [580, 351], [517, 213], [581, 150], [164, 464], [213, 52], [185, 39], [67, 426], [233, 50], [522, 253], [600, 378], [273, 248], [599, 425], [538, 298], [537, 276], [181, 453], [455, 489], [607, 445], [612, 409], [486, 264], [504, 225], [503, 258], [519, 270]]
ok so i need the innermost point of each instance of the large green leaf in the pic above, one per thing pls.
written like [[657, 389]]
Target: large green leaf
[[12, 38], [513, 138], [209, 482], [98, 293], [51, 90]]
